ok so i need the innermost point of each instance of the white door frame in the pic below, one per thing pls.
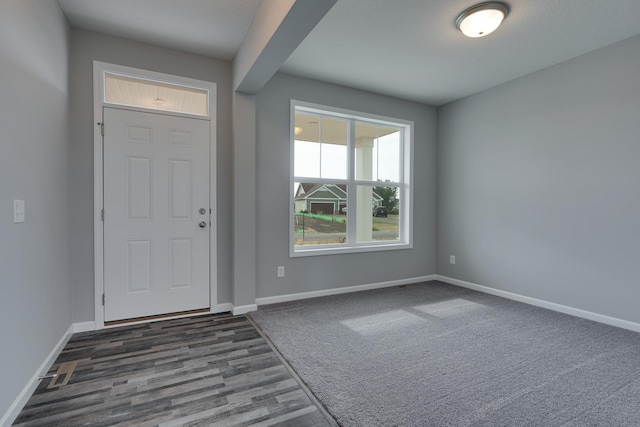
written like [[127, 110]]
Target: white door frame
[[99, 70]]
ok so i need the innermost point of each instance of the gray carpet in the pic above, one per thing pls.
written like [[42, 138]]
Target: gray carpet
[[439, 355]]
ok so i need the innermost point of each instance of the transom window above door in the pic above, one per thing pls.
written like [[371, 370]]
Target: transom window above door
[[155, 95]]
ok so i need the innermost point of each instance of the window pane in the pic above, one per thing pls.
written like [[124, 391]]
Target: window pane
[[388, 155], [307, 159], [377, 152], [378, 213], [334, 148], [319, 213], [307, 146], [320, 147]]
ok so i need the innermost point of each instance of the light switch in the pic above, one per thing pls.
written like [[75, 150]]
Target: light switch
[[18, 211]]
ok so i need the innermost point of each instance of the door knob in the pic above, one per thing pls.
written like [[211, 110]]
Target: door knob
[[202, 224]]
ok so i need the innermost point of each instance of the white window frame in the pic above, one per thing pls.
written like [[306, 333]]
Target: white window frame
[[405, 187]]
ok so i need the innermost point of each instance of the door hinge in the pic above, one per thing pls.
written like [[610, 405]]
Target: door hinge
[[102, 215], [101, 128], [102, 299]]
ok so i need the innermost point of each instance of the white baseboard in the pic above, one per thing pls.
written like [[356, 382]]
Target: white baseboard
[[601, 318], [84, 327], [23, 397], [243, 309], [345, 290]]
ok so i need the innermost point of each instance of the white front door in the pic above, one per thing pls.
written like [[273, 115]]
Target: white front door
[[156, 214]]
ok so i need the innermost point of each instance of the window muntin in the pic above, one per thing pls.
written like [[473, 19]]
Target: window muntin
[[349, 173]]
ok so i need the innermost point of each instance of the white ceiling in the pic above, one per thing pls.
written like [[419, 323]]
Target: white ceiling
[[206, 27], [404, 48]]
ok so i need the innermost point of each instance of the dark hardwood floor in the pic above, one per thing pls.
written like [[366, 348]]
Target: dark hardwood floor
[[211, 370]]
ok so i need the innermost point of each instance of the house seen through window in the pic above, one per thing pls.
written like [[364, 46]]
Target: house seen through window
[[350, 181]]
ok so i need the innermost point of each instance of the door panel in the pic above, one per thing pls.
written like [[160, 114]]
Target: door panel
[[156, 241], [138, 188], [180, 194]]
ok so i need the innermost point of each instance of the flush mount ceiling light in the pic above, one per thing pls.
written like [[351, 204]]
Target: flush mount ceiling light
[[482, 19]]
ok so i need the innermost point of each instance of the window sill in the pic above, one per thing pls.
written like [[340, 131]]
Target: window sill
[[304, 251]]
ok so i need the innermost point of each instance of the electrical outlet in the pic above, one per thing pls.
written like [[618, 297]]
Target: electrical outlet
[[281, 271], [452, 259]]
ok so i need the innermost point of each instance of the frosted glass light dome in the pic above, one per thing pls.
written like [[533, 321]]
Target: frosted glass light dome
[[482, 19]]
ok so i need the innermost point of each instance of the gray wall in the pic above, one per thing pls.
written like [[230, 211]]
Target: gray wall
[[244, 200], [35, 309], [86, 47], [272, 199], [539, 184]]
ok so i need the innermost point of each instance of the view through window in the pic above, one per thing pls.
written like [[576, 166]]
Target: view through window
[[350, 181]]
